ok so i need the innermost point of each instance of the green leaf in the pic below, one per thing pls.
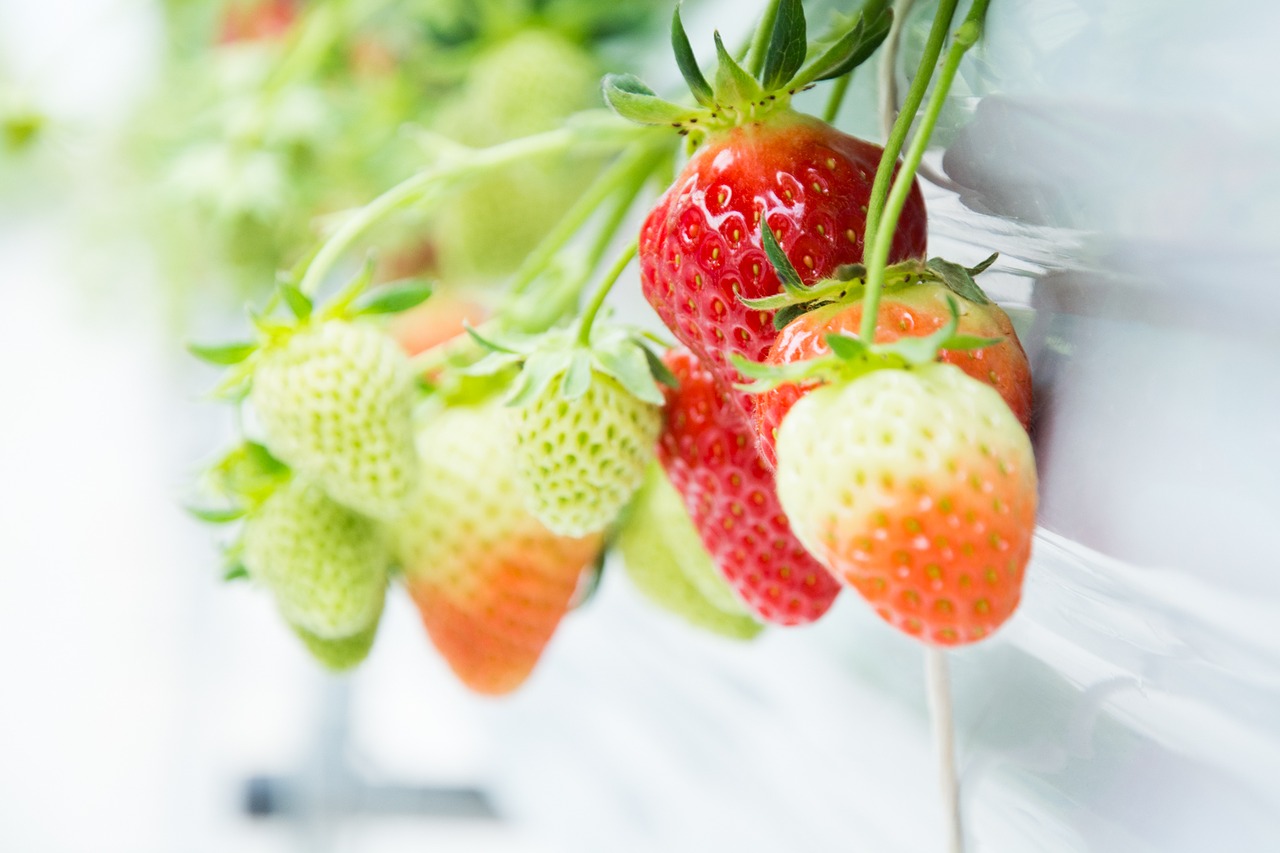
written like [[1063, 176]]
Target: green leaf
[[299, 303], [959, 280], [339, 303], [627, 364], [688, 63], [539, 371], [635, 101], [577, 379], [216, 516], [394, 298], [734, 86], [223, 354], [846, 347], [787, 45], [659, 370], [236, 573], [781, 263]]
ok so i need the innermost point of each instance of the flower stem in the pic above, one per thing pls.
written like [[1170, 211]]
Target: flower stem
[[915, 94], [965, 37], [836, 98], [597, 301], [760, 41]]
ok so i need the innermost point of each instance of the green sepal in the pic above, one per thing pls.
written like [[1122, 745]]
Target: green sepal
[[959, 280], [539, 370], [589, 581], [659, 370], [734, 86], [216, 516], [248, 474], [634, 101], [846, 347], [222, 354], [236, 573], [394, 298], [299, 303], [628, 363], [492, 364], [784, 315], [688, 63], [851, 41], [577, 378], [787, 273], [339, 305], [787, 46], [491, 344]]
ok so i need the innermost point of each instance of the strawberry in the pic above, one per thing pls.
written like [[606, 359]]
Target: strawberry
[[758, 162], [918, 488], [326, 565], [905, 310], [257, 20], [709, 452], [665, 560], [342, 654], [489, 580], [334, 399]]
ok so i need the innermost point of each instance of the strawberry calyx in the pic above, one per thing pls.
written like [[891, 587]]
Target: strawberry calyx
[[784, 63], [848, 282], [623, 353], [851, 357]]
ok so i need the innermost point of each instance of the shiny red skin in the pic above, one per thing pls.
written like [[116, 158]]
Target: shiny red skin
[[700, 245], [710, 455], [913, 310]]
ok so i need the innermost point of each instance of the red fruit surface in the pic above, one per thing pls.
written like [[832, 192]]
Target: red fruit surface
[[913, 311], [257, 20], [710, 455], [441, 318], [700, 245]]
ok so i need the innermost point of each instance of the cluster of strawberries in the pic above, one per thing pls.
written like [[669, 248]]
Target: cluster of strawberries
[[883, 445]]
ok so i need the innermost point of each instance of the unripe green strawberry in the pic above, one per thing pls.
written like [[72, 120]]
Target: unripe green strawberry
[[918, 488], [342, 654], [326, 564], [489, 580], [665, 559], [335, 401], [580, 460]]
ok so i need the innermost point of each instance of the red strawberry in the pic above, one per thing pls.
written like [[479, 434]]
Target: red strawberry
[[912, 310], [257, 20], [918, 488], [490, 582], [700, 247], [710, 454]]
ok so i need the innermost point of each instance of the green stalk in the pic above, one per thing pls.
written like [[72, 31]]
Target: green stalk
[[597, 301], [965, 37], [760, 42], [836, 98], [422, 184], [897, 136]]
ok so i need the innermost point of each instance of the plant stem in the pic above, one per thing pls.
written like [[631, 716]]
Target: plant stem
[[422, 184], [836, 98], [597, 301], [965, 37], [897, 137], [938, 683], [889, 65], [760, 42]]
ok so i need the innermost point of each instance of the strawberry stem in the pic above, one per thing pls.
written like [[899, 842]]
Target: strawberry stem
[[898, 135], [597, 301], [965, 37], [836, 98], [760, 41]]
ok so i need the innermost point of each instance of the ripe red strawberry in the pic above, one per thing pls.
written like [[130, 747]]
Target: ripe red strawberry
[[912, 310], [710, 454], [257, 20], [918, 488], [491, 582], [700, 247]]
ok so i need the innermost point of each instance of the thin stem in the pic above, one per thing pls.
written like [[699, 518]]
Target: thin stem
[[629, 171], [760, 42], [897, 137], [416, 187], [836, 98], [938, 682], [889, 67], [597, 301], [966, 36]]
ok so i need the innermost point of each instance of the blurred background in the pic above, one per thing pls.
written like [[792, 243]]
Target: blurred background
[[159, 161]]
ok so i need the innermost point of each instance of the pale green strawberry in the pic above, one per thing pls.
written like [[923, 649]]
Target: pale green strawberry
[[665, 559], [326, 564], [334, 400], [581, 459], [342, 654], [918, 488]]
